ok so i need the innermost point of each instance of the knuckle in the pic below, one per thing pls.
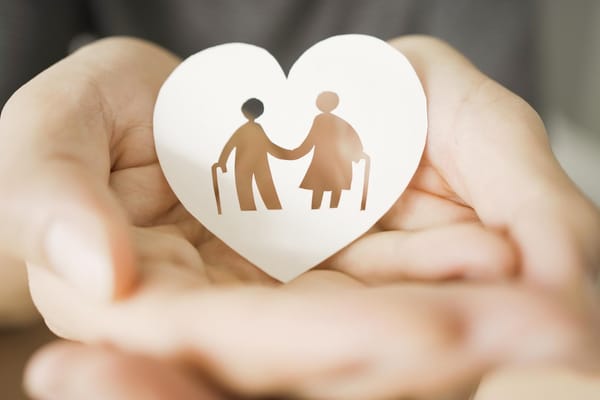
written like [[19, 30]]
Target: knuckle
[[33, 107], [426, 326]]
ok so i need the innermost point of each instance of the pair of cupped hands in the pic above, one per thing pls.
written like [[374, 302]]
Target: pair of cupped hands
[[488, 259]]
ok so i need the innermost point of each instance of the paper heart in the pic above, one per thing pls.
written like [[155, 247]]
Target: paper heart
[[370, 106]]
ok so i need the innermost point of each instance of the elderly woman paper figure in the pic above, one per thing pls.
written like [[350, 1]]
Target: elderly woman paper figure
[[336, 145]]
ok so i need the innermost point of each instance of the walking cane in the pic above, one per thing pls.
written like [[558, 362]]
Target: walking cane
[[216, 186], [363, 204]]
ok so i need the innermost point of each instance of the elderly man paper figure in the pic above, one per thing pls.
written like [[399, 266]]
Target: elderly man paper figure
[[252, 146], [336, 145]]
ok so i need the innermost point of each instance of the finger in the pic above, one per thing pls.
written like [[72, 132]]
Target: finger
[[396, 340], [486, 332], [427, 202], [57, 208], [56, 135], [391, 342], [455, 251], [74, 371], [491, 147], [416, 210]]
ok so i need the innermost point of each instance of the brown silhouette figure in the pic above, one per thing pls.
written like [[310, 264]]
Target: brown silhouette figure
[[336, 145], [252, 146]]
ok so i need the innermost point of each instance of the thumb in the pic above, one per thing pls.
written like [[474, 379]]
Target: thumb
[[56, 207], [73, 225]]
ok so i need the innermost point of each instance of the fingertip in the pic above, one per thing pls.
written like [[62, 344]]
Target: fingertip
[[496, 256], [65, 370], [42, 376]]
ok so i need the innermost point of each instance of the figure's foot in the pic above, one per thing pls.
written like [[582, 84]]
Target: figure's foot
[[335, 199], [317, 199], [272, 202], [246, 201]]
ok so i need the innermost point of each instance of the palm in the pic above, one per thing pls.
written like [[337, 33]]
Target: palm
[[177, 255], [162, 225], [179, 252], [172, 235], [164, 228]]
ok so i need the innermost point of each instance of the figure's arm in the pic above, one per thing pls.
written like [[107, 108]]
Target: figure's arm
[[301, 150], [281, 153], [285, 154], [226, 152]]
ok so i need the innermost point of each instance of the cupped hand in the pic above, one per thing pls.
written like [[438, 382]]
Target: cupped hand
[[317, 338], [79, 172], [487, 198], [78, 169], [488, 172]]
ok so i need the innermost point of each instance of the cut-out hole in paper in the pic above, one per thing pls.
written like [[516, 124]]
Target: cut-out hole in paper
[[335, 145]]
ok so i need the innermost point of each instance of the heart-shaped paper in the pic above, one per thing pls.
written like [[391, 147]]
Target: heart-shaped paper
[[347, 126]]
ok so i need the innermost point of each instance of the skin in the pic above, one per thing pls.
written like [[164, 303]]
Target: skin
[[378, 320]]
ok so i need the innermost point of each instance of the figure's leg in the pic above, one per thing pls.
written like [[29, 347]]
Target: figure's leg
[[266, 187], [243, 184], [336, 195], [317, 199]]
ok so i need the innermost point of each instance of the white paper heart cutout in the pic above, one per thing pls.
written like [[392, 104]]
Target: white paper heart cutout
[[371, 107]]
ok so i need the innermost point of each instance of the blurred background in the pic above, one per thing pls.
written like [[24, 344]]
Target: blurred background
[[546, 51], [569, 73]]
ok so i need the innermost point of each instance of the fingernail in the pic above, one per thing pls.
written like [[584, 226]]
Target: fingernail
[[81, 255]]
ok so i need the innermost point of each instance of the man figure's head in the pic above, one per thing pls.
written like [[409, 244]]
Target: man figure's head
[[252, 109]]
